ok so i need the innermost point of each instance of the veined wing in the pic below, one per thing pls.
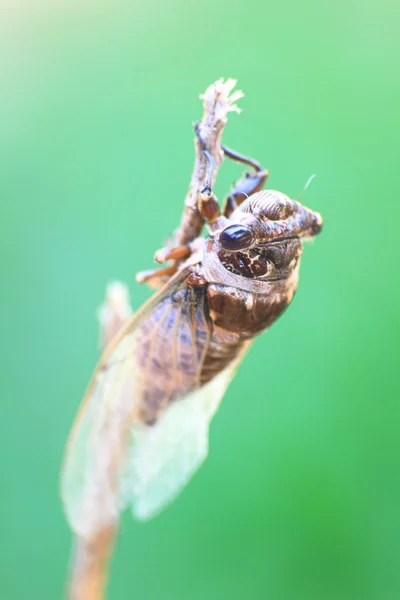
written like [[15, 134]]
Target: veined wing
[[143, 425], [163, 458]]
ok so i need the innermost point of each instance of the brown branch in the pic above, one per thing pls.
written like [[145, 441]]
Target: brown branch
[[217, 104], [90, 562], [91, 555]]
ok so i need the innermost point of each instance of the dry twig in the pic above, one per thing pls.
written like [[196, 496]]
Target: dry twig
[[217, 104]]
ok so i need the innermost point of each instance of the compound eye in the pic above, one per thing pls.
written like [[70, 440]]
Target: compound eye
[[236, 237]]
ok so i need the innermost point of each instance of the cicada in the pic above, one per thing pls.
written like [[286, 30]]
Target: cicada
[[143, 426]]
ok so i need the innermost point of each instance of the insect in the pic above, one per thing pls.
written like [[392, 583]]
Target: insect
[[143, 426]]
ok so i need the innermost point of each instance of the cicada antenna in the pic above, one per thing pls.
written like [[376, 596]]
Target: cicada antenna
[[309, 180]]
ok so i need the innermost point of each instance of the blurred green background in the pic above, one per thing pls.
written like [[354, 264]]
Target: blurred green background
[[300, 497]]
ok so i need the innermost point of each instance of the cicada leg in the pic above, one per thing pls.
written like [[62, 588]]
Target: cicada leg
[[250, 183], [154, 274], [208, 203], [210, 211], [156, 277], [176, 253]]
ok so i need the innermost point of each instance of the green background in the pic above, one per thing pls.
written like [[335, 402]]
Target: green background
[[300, 497]]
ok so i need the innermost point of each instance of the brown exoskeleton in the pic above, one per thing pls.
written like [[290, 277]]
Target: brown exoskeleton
[[160, 381], [143, 426], [232, 286]]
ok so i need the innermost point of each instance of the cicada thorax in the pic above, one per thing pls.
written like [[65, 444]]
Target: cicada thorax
[[247, 313]]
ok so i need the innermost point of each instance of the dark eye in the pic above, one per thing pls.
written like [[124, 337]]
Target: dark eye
[[236, 237]]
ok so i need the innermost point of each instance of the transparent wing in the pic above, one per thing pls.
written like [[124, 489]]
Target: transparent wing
[[143, 425], [95, 454], [163, 458]]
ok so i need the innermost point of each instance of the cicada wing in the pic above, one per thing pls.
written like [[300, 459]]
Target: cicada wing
[[143, 426], [97, 448], [162, 458]]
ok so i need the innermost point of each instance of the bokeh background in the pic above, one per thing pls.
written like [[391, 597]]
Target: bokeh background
[[300, 497]]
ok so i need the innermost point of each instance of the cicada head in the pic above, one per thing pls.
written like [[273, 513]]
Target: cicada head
[[263, 239]]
